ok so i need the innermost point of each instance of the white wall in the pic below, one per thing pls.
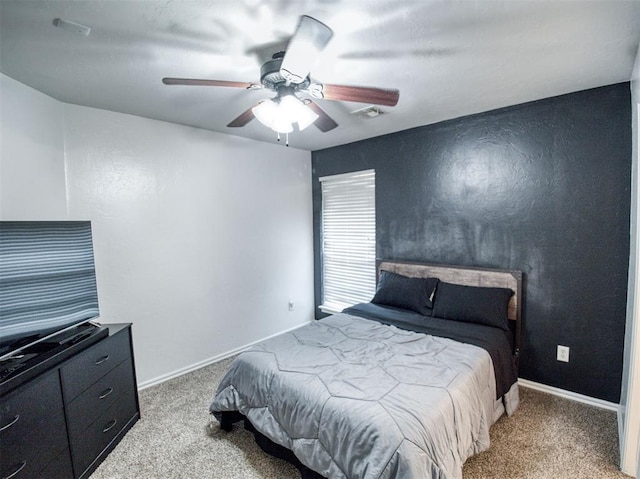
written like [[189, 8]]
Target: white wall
[[630, 394], [32, 177], [200, 238]]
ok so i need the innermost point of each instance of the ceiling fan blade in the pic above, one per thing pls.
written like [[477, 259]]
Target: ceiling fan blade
[[310, 38], [324, 122], [377, 96], [395, 54], [242, 119], [196, 82]]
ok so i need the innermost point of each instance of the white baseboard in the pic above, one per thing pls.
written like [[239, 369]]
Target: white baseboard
[[522, 382], [570, 395], [206, 362]]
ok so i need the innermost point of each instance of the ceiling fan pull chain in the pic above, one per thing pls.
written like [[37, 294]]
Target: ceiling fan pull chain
[[287, 139], [278, 136]]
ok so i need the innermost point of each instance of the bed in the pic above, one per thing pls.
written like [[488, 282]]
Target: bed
[[406, 386]]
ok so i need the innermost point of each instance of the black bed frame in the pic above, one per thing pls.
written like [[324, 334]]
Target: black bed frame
[[229, 418]]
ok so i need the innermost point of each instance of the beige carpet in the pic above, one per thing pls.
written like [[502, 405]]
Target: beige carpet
[[547, 438]]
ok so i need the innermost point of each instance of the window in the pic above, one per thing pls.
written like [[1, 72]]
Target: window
[[348, 239]]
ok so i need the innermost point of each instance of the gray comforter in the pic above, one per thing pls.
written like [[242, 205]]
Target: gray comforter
[[353, 398]]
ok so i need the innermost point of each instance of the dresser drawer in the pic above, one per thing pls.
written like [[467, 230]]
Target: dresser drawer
[[87, 367], [59, 468], [86, 448], [92, 403], [32, 427]]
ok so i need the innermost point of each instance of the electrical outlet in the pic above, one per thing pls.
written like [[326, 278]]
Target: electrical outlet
[[563, 354]]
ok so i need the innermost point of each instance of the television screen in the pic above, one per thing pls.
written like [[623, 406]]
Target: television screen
[[47, 280]]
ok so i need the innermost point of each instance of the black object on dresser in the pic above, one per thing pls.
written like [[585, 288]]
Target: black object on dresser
[[69, 407]]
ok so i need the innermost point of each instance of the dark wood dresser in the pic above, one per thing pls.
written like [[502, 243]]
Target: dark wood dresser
[[69, 411]]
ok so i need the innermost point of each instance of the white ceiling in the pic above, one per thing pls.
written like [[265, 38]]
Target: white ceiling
[[448, 58]]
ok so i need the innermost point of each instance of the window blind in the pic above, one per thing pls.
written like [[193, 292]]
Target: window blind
[[348, 239]]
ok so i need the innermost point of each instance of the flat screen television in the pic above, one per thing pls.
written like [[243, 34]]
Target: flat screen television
[[47, 281]]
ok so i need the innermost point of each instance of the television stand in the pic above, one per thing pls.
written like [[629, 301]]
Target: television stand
[[65, 408]]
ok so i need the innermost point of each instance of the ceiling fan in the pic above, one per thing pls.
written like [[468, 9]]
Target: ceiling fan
[[287, 74]]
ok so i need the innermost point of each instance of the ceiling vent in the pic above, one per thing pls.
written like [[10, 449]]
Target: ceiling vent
[[370, 111], [71, 27]]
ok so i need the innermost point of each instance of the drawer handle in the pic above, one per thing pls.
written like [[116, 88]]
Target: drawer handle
[[105, 393], [110, 425], [7, 426], [14, 473], [102, 360]]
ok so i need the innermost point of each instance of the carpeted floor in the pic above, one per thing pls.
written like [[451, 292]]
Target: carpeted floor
[[547, 438]]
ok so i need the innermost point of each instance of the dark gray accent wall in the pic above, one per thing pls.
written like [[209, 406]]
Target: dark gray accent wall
[[543, 187]]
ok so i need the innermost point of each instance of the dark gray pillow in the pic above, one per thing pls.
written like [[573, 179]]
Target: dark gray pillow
[[404, 292], [473, 304]]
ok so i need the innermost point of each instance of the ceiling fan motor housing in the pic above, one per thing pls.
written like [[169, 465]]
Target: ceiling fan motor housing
[[271, 78]]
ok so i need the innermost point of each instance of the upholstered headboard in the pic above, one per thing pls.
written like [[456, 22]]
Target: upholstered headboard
[[468, 276]]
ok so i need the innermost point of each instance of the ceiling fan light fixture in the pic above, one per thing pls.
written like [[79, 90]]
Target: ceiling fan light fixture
[[306, 118], [270, 114], [265, 112], [281, 113], [296, 112], [281, 125]]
